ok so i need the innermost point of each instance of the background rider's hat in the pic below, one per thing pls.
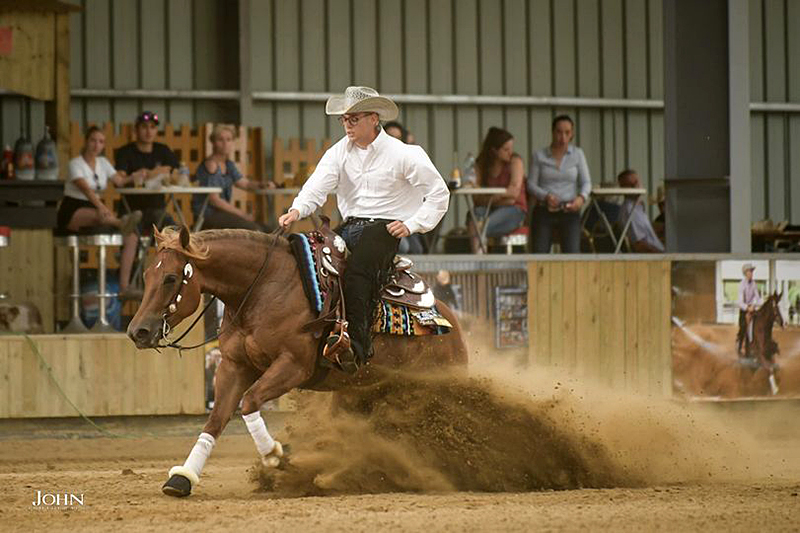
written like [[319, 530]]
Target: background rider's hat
[[747, 266], [361, 100]]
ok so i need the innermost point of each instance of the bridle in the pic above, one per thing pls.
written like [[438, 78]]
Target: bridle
[[172, 307]]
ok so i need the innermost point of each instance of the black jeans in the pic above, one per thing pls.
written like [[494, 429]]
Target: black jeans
[[544, 222], [372, 249], [742, 334]]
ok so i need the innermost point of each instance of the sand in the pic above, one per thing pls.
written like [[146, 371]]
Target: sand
[[518, 453]]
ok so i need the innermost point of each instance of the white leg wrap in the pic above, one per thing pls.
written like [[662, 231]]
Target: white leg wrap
[[194, 464], [258, 430]]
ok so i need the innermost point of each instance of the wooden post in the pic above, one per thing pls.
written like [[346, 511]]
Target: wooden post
[[57, 110]]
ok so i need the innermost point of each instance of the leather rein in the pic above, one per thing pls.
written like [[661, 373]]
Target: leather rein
[[172, 307]]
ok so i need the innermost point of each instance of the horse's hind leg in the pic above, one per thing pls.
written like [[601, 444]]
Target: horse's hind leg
[[230, 383], [283, 375]]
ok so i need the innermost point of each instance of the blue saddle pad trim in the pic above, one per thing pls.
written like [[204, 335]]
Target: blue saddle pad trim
[[305, 259]]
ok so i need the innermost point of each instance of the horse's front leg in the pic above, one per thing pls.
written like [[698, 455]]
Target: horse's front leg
[[230, 382], [283, 375]]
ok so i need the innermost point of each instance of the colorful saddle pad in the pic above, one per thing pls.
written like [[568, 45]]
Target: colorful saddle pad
[[392, 318]]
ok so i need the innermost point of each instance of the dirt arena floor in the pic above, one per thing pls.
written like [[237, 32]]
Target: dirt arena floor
[[519, 454]]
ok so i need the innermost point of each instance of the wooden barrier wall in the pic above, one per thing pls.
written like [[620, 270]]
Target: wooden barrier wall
[[27, 271], [608, 320], [104, 375]]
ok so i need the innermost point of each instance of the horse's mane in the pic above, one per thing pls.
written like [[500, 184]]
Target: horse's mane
[[170, 239]]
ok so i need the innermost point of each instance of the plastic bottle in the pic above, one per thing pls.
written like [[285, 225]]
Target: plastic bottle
[[455, 177], [7, 171], [469, 178], [185, 175], [46, 158], [23, 159]]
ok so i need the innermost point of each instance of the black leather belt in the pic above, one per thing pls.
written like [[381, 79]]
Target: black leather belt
[[365, 221]]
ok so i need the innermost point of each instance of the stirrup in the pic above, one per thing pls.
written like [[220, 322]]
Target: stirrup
[[339, 353]]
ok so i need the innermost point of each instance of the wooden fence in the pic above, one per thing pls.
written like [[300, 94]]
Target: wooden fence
[[104, 375], [27, 268], [609, 320]]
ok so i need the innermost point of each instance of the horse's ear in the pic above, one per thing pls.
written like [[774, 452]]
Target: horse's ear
[[185, 237]]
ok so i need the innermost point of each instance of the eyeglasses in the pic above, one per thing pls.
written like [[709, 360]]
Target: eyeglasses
[[353, 119]]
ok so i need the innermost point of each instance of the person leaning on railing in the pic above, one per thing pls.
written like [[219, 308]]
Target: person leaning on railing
[[218, 170], [559, 180], [82, 208]]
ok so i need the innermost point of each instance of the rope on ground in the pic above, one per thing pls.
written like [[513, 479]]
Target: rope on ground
[[77, 409]]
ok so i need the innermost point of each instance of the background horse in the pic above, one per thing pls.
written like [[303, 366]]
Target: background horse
[[763, 348], [264, 353]]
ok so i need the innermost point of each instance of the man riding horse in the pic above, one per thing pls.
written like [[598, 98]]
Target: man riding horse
[[385, 190], [749, 300]]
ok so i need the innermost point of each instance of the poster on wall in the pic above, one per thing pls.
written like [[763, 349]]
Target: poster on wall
[[736, 329]]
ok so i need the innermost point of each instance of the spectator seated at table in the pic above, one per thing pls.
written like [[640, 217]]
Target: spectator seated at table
[[560, 182], [641, 233], [498, 166], [145, 160], [414, 243], [219, 171], [81, 208]]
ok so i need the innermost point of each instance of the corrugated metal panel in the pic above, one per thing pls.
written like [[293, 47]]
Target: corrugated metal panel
[[583, 48]]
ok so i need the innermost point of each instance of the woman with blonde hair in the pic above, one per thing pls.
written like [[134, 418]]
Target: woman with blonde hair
[[218, 170], [81, 208]]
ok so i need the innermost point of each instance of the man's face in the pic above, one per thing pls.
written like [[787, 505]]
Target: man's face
[[146, 132], [359, 127], [749, 274], [630, 180]]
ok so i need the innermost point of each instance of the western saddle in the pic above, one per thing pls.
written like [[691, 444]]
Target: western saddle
[[329, 254]]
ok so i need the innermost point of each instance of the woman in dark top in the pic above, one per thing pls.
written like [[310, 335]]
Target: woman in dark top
[[219, 171], [498, 166]]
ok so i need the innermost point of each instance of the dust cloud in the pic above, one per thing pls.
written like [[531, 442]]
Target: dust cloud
[[505, 429]]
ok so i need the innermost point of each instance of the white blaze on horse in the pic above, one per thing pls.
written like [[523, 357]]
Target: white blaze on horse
[[266, 351]]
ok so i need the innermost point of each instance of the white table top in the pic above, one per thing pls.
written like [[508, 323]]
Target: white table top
[[170, 190], [287, 191], [618, 191], [479, 190]]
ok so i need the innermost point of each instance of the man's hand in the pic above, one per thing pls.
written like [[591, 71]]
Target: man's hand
[[286, 220], [397, 229], [552, 201], [575, 205]]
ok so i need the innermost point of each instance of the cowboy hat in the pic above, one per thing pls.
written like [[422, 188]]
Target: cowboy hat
[[361, 100], [747, 266]]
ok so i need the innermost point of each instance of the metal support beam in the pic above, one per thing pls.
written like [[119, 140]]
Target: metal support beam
[[245, 86], [739, 123]]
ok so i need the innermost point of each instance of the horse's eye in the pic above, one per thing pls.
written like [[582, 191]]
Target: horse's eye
[[170, 279]]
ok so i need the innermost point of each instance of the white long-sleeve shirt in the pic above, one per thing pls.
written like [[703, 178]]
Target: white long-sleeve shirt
[[390, 180], [748, 294]]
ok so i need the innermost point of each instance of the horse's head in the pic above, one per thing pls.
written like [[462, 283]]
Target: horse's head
[[171, 288], [774, 301]]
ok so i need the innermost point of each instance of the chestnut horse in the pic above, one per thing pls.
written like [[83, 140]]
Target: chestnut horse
[[762, 348], [264, 352]]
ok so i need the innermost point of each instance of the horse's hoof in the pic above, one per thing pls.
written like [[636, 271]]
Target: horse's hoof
[[178, 486], [273, 458]]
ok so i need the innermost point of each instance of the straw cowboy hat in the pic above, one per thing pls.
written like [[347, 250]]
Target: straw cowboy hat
[[361, 100], [747, 266]]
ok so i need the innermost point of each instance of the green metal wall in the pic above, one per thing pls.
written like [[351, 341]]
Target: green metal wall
[[564, 48]]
